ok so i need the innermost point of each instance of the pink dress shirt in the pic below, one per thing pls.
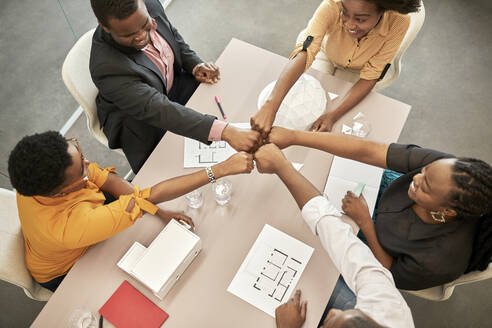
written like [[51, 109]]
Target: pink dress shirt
[[161, 54]]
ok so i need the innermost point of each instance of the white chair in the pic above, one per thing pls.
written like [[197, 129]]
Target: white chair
[[77, 79], [12, 253], [443, 292], [323, 64]]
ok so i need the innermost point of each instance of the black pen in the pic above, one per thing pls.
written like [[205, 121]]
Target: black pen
[[217, 100]]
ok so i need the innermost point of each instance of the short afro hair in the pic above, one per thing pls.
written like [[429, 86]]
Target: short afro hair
[[119, 9], [37, 163]]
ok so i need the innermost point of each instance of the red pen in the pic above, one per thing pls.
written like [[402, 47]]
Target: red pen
[[217, 100]]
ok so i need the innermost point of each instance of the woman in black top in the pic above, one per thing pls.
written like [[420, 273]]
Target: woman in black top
[[433, 224]]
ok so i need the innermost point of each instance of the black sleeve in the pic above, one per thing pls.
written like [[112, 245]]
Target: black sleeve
[[410, 275], [124, 89], [407, 158]]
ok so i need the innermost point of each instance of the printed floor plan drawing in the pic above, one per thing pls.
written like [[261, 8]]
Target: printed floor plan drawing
[[277, 275], [270, 272], [208, 153], [197, 154]]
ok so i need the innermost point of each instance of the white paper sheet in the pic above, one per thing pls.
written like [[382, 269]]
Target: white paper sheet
[[345, 174], [297, 166], [270, 272], [332, 95], [197, 154]]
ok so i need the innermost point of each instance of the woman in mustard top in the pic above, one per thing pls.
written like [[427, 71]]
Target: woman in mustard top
[[67, 204], [363, 35]]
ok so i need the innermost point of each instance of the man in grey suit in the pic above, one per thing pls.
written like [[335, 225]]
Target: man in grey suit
[[145, 73]]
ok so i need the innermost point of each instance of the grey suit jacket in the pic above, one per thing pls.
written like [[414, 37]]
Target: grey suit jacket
[[130, 85]]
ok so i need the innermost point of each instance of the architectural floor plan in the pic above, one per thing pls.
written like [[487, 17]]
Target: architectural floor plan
[[271, 270]]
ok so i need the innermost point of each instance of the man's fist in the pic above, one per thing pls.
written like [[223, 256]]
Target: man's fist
[[242, 139]]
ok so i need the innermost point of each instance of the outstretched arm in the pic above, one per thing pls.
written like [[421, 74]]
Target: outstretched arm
[[263, 120], [350, 147], [355, 95], [270, 159]]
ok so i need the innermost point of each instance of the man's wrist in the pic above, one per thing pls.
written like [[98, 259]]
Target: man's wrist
[[227, 132]]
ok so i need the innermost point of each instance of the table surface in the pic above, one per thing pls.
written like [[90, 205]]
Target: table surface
[[200, 297]]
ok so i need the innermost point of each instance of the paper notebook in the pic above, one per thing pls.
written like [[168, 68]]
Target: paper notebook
[[128, 308], [346, 174]]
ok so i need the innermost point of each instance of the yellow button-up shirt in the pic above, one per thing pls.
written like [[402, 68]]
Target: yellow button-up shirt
[[369, 55], [58, 230]]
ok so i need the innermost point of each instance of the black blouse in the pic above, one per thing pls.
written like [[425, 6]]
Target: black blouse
[[425, 255]]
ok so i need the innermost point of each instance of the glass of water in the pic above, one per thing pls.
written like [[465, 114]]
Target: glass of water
[[82, 318], [360, 126], [195, 198], [222, 190]]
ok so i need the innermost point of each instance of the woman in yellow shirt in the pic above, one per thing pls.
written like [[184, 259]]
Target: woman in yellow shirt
[[363, 35], [67, 204]]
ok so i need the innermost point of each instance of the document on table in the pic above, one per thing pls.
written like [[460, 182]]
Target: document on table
[[345, 175], [270, 272], [197, 154]]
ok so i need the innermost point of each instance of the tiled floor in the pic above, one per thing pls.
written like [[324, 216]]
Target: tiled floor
[[446, 78]]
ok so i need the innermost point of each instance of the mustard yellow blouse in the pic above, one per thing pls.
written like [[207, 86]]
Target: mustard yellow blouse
[[57, 231], [369, 55]]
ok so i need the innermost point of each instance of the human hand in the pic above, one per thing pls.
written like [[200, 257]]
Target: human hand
[[180, 217], [241, 139], [238, 163], [207, 72], [291, 314], [263, 119], [281, 137], [356, 208], [324, 123], [270, 159]]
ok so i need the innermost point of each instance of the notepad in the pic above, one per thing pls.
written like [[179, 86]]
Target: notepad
[[128, 308], [346, 174]]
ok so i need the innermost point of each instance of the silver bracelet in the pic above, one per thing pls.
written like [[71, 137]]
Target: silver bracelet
[[210, 174]]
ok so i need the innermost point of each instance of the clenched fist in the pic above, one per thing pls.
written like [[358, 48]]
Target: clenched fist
[[241, 139], [270, 159], [238, 163]]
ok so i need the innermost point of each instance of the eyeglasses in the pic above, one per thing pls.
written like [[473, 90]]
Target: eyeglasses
[[85, 174]]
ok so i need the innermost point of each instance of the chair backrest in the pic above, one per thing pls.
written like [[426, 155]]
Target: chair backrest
[[416, 22], [12, 258], [443, 292], [77, 78]]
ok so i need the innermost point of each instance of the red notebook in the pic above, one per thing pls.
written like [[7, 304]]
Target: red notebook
[[128, 308]]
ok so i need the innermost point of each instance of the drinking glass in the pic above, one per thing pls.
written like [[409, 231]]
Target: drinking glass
[[222, 190], [82, 318], [195, 198], [360, 126]]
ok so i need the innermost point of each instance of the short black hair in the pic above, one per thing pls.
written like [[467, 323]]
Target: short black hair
[[400, 6], [359, 322], [38, 162], [119, 9]]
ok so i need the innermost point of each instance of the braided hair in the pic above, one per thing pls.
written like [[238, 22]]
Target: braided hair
[[472, 198]]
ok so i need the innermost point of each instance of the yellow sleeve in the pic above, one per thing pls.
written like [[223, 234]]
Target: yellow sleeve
[[325, 16], [373, 68], [87, 225], [99, 176]]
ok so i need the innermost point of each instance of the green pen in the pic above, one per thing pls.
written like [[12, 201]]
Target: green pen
[[358, 190]]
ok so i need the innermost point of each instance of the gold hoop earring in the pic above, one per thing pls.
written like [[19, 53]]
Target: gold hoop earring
[[440, 216]]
